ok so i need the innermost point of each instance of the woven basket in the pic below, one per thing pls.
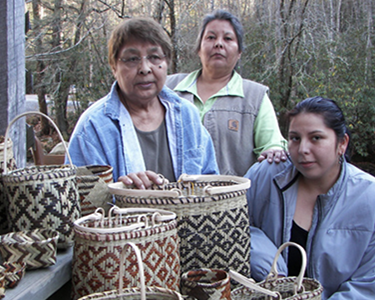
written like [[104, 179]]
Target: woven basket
[[11, 163], [43, 196], [99, 241], [37, 248], [92, 188], [142, 293], [212, 214], [273, 287], [14, 272]]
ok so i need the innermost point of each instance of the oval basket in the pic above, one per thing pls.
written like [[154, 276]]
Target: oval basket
[[99, 241], [43, 196], [212, 215], [143, 292], [37, 248]]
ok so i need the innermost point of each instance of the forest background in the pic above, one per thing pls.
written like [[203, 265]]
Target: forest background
[[299, 48]]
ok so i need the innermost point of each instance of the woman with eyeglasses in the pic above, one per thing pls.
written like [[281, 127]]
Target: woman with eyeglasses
[[142, 128]]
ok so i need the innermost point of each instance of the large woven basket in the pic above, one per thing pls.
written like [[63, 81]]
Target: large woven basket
[[92, 183], [99, 241], [11, 164], [37, 248], [212, 214], [43, 196], [135, 293], [274, 287]]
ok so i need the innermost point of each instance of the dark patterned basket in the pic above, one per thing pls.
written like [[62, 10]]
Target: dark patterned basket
[[99, 241], [212, 214], [43, 196], [14, 272], [11, 163], [274, 287], [37, 248], [135, 293], [92, 183]]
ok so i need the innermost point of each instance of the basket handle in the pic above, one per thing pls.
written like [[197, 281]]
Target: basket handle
[[119, 188], [274, 273], [250, 283], [5, 172], [140, 271], [163, 215]]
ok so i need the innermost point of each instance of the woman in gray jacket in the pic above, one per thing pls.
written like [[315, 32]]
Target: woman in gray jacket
[[318, 200]]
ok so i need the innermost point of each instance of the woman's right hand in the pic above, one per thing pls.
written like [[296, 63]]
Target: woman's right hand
[[142, 180]]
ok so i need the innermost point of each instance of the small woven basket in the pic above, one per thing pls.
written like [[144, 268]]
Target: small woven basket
[[273, 287], [135, 293], [93, 189], [212, 214], [37, 248], [11, 164], [43, 196], [14, 272], [99, 241]]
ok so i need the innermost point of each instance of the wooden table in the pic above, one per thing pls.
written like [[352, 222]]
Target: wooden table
[[39, 284]]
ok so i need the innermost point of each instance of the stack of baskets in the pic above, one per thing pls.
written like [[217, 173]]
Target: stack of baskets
[[212, 215]]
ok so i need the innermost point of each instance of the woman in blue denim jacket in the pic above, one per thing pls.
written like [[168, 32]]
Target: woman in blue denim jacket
[[142, 128], [318, 200]]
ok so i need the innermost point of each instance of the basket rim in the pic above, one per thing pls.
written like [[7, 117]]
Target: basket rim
[[5, 238]]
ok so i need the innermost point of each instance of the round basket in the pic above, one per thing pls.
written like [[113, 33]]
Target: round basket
[[37, 248], [14, 272]]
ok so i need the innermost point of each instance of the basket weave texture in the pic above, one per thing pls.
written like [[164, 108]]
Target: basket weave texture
[[92, 187], [96, 257], [213, 229], [11, 164], [43, 196], [37, 248], [14, 272]]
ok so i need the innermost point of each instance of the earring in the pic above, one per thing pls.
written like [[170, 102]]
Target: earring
[[341, 158]]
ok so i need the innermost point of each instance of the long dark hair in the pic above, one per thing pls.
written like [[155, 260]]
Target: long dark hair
[[332, 115]]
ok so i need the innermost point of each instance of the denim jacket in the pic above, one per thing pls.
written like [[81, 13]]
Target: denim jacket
[[341, 242], [105, 135]]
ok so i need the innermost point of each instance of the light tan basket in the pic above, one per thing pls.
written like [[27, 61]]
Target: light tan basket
[[274, 287], [143, 293]]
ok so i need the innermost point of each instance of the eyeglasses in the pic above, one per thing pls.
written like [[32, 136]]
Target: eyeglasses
[[134, 61]]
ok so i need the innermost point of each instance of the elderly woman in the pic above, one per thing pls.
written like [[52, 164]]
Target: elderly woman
[[142, 128], [237, 112], [318, 200]]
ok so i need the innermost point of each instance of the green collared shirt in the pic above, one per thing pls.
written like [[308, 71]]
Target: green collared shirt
[[266, 118]]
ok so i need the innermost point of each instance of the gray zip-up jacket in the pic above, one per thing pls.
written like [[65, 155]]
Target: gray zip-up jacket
[[341, 242]]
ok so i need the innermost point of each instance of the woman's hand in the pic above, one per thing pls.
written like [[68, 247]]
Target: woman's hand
[[142, 180], [273, 155]]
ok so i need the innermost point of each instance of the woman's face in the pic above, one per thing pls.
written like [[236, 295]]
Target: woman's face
[[219, 46], [313, 147], [141, 71]]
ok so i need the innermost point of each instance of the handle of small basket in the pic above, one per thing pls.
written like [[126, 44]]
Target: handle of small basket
[[5, 172], [140, 267], [163, 215], [119, 188], [241, 182], [97, 216], [274, 273], [250, 283]]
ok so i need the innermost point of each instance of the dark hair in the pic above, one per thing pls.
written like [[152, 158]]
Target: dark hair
[[225, 16], [144, 29], [332, 115]]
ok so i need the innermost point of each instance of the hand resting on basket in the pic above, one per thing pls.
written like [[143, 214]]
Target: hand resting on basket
[[142, 180]]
